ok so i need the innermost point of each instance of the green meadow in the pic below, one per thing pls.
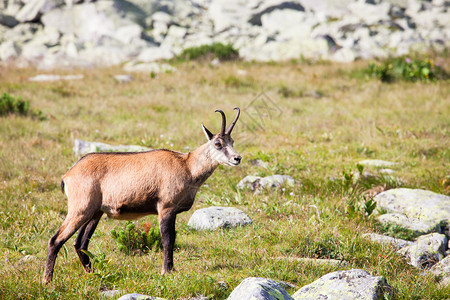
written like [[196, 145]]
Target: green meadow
[[314, 122]]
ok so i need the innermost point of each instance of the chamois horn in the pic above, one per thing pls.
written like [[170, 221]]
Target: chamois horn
[[229, 129], [224, 122]]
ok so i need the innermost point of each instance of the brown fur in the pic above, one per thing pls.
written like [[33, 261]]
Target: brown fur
[[131, 185]]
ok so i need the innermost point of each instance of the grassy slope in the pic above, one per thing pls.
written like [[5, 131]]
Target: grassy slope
[[309, 137]]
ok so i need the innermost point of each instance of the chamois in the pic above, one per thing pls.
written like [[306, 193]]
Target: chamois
[[131, 185]]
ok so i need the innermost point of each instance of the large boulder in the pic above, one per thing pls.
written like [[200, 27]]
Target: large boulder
[[214, 217], [346, 285], [419, 210], [256, 288]]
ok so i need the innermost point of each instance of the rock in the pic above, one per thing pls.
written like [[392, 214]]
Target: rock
[[256, 18], [8, 51], [346, 285], [123, 78], [259, 289], [27, 258], [155, 53], [52, 77], [427, 250], [82, 147], [414, 224], [258, 163], [110, 293], [136, 296], [274, 181], [34, 8], [420, 210], [215, 217], [154, 67], [442, 270], [384, 239], [376, 163], [8, 20]]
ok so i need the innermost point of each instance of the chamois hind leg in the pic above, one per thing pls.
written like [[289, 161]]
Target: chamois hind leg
[[83, 239], [70, 225], [167, 229]]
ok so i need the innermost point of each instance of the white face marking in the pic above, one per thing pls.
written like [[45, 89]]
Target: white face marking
[[224, 155]]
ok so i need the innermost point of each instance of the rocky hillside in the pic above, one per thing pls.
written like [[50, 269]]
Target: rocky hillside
[[65, 33]]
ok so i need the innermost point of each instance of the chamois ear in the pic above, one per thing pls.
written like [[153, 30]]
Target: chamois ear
[[208, 133]]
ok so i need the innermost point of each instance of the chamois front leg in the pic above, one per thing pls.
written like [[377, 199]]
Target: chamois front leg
[[167, 229]]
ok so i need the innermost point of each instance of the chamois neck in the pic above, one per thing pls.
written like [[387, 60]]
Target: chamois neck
[[201, 164]]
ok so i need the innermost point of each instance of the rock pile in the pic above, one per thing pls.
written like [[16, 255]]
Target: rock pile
[[62, 33]]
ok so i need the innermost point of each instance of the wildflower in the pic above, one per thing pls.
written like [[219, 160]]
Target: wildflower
[[408, 60]]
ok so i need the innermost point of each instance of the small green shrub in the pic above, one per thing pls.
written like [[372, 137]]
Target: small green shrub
[[11, 105], [215, 50], [406, 68], [131, 240]]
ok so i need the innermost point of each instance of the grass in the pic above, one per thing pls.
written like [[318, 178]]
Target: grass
[[316, 140]]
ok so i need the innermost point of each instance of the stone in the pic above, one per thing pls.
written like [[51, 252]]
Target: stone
[[8, 51], [376, 163], [427, 250], [346, 285], [8, 20], [256, 288], [384, 239], [417, 225], [136, 296], [83, 147], [110, 293], [27, 258], [442, 270], [416, 209], [53, 77], [154, 53], [275, 181], [123, 78], [214, 217], [151, 67]]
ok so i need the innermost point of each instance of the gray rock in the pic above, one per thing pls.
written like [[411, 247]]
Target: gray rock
[[152, 67], [155, 53], [376, 163], [34, 8], [417, 225], [27, 258], [8, 20], [8, 51], [259, 289], [136, 296], [53, 77], [346, 285], [416, 209], [215, 217], [274, 181], [123, 78], [384, 239], [82, 147], [110, 293], [442, 270], [427, 250]]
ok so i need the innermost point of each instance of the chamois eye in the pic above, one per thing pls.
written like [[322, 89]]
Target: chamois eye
[[218, 145]]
